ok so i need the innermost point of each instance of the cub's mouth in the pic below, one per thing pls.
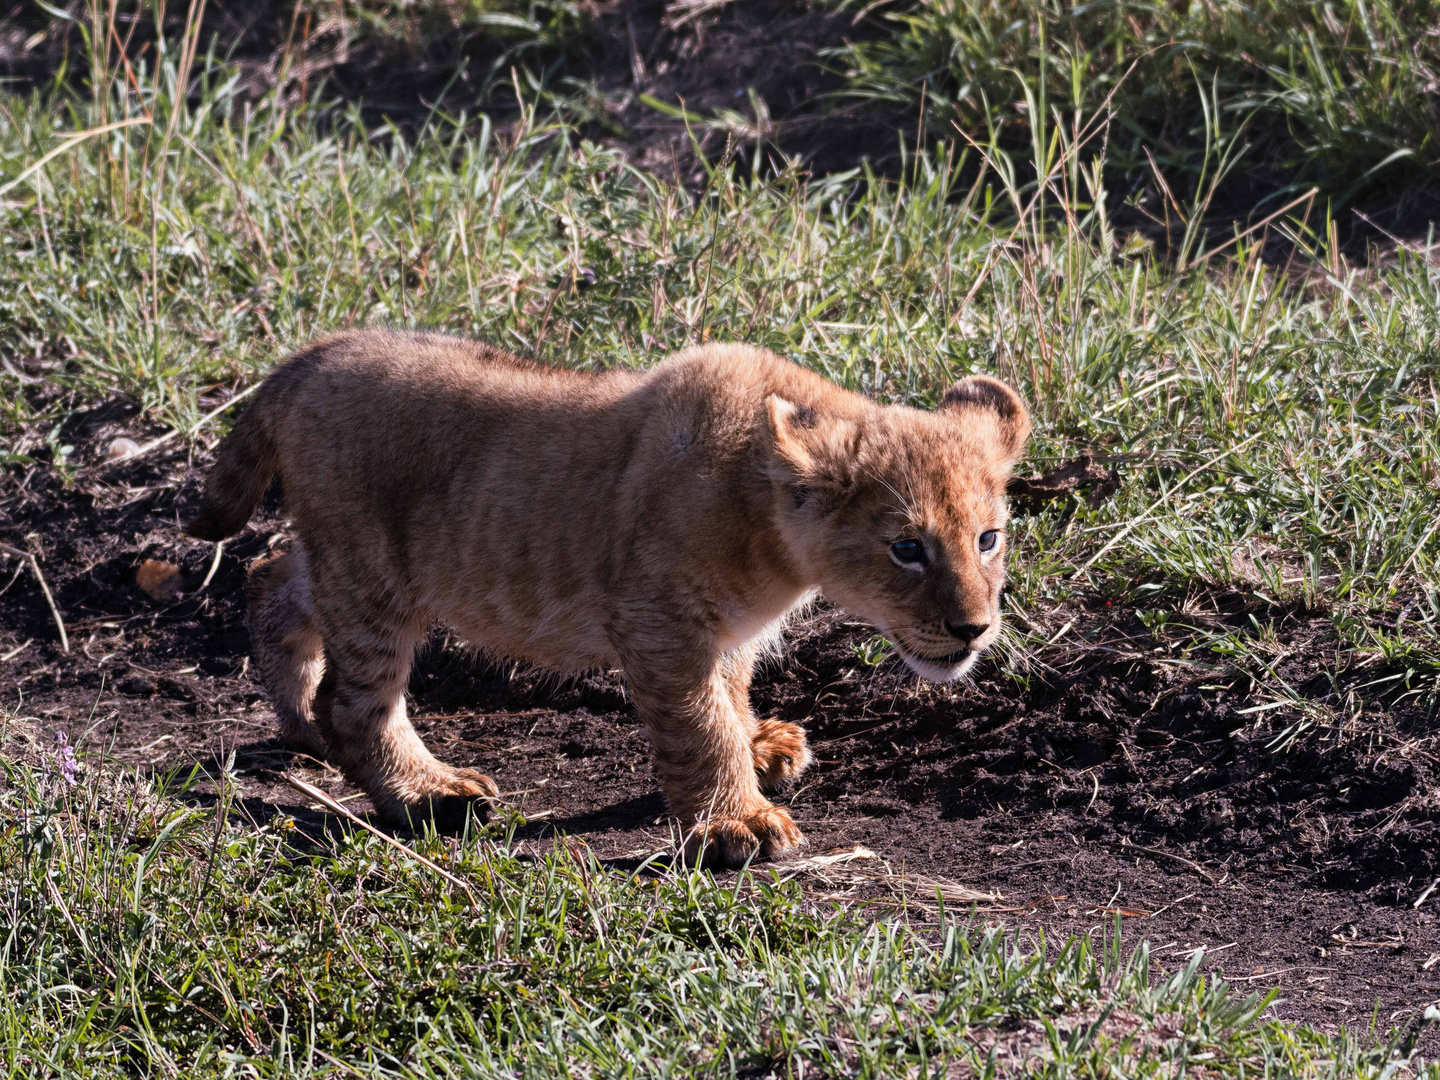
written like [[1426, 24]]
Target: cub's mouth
[[952, 658], [940, 669]]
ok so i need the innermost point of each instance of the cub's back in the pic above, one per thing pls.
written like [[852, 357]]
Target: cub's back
[[358, 380], [389, 417]]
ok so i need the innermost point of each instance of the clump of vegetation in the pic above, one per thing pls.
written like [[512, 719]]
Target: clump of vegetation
[[1336, 95], [1300, 94], [145, 933], [530, 34], [400, 58]]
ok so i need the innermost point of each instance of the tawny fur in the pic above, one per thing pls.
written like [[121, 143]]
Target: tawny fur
[[664, 523]]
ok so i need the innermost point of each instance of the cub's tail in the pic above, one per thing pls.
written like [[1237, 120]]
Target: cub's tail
[[244, 466]]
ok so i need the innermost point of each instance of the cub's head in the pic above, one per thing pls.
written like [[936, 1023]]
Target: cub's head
[[899, 515]]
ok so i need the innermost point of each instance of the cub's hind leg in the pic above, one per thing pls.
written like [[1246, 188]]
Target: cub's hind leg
[[369, 646], [289, 659]]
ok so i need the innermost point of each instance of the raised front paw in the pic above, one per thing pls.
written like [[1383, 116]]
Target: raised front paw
[[765, 834], [780, 751]]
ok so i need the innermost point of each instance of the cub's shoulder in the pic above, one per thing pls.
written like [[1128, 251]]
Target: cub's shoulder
[[750, 374]]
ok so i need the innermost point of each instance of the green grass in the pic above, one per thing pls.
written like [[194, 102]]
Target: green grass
[[1335, 95], [1338, 96], [140, 934], [1276, 428], [529, 35]]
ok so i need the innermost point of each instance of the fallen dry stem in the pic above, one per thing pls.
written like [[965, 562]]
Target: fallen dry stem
[[336, 807], [1156, 853], [214, 565], [836, 868], [44, 588], [1426, 894], [191, 430], [1079, 474]]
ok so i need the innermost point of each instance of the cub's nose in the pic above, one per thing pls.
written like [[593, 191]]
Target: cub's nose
[[966, 632]]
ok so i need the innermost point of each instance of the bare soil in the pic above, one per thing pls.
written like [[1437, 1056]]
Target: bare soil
[[1109, 781]]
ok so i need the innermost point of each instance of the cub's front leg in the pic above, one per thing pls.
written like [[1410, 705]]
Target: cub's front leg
[[701, 731]]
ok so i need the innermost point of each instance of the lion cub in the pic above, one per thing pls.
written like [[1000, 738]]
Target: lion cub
[[664, 522]]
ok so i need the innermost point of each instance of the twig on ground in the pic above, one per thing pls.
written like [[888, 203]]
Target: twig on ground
[[335, 807], [836, 868], [1172, 903], [827, 859], [214, 565], [1156, 853], [951, 892], [17, 650], [1079, 474], [1257, 975], [44, 588], [19, 569], [191, 430], [1426, 894]]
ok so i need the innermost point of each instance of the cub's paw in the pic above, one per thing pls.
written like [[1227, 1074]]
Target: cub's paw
[[450, 802], [304, 737], [728, 842], [781, 753]]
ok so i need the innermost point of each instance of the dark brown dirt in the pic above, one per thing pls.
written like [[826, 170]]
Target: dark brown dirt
[[1110, 779]]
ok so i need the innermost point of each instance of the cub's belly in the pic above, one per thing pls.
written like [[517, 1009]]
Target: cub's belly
[[556, 637]]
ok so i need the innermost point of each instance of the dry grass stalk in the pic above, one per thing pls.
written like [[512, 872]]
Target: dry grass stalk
[[6, 549], [336, 807]]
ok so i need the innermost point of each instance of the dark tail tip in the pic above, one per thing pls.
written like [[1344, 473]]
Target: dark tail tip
[[210, 525]]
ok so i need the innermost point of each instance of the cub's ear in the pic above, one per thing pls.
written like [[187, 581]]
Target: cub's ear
[[810, 448], [982, 398]]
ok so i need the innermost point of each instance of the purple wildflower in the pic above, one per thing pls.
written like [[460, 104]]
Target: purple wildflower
[[65, 763]]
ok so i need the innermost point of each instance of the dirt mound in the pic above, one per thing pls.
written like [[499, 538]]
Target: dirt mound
[[1126, 752], [1109, 780]]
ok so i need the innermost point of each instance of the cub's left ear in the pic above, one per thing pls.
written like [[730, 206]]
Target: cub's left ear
[[986, 400]]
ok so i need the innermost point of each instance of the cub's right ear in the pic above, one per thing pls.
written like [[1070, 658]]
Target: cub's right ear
[[985, 399], [811, 449], [786, 422]]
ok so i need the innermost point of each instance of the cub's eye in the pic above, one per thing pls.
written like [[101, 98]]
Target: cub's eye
[[909, 552], [988, 539]]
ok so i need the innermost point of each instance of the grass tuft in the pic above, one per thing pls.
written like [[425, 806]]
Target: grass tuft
[[1338, 96]]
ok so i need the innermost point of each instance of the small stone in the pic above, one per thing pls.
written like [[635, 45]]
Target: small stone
[[121, 448], [159, 580]]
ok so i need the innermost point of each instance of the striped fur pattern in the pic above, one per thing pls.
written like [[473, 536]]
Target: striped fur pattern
[[665, 523]]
